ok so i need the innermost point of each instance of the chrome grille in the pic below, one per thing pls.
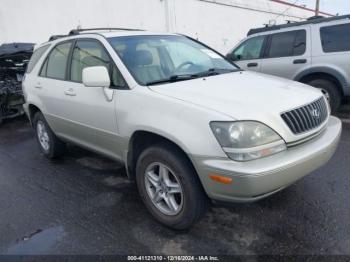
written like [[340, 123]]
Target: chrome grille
[[307, 117]]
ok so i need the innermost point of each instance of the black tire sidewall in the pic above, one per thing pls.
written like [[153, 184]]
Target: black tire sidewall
[[48, 153], [331, 88], [192, 193]]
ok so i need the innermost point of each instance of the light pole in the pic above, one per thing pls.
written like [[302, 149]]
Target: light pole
[[317, 10], [169, 15]]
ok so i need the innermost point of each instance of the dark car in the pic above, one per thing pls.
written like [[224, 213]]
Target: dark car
[[13, 60]]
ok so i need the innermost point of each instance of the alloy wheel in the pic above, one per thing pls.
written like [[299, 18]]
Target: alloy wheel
[[164, 189], [43, 135]]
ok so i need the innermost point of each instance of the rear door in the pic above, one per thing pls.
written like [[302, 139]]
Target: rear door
[[51, 83], [248, 54], [287, 53]]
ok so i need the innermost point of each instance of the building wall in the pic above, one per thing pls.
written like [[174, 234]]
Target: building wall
[[219, 23]]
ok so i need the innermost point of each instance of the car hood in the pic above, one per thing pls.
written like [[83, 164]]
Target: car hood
[[244, 96]]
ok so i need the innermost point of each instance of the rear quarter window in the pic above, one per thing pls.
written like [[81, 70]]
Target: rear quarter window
[[56, 62], [335, 38], [38, 53]]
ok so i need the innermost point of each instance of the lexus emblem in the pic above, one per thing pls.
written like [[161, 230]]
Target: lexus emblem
[[315, 113]]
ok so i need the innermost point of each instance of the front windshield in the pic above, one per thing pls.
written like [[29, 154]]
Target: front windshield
[[164, 58]]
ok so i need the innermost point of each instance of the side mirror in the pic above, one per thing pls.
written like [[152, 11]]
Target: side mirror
[[229, 56], [234, 57], [97, 76]]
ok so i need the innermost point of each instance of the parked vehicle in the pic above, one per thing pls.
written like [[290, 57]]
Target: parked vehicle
[[13, 60], [315, 52], [188, 124]]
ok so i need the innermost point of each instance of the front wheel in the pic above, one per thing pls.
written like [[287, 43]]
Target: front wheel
[[330, 91], [169, 187]]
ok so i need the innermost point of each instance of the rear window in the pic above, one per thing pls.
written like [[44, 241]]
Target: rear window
[[335, 38], [35, 57], [291, 43]]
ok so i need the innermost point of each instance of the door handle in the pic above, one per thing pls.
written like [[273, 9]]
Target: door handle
[[70, 92], [299, 61], [38, 86], [252, 65]]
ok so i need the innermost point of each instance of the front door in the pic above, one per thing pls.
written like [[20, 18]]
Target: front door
[[90, 117], [247, 55]]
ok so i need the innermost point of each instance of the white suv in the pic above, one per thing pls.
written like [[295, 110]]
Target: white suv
[[315, 52], [187, 123]]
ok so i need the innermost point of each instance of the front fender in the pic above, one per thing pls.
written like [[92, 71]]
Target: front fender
[[183, 123]]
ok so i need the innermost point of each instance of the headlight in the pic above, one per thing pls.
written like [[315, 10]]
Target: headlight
[[247, 140]]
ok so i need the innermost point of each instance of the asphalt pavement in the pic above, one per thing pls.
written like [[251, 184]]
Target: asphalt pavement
[[83, 204]]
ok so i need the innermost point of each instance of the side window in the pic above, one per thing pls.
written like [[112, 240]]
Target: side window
[[38, 53], [335, 38], [299, 43], [89, 53], [250, 49], [56, 62], [117, 80], [285, 44]]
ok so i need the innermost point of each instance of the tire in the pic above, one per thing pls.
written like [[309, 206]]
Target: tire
[[330, 90], [192, 202], [55, 147]]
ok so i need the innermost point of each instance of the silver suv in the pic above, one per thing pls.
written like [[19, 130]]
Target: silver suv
[[315, 52], [186, 122]]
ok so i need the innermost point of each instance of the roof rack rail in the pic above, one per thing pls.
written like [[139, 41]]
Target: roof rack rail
[[78, 31], [315, 17], [311, 20], [55, 37]]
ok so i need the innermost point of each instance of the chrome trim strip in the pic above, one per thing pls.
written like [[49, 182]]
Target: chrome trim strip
[[253, 149], [306, 139]]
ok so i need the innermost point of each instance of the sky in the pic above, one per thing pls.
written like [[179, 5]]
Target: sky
[[330, 6]]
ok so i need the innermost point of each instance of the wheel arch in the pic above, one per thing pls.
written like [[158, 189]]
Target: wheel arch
[[32, 110], [142, 139], [323, 73]]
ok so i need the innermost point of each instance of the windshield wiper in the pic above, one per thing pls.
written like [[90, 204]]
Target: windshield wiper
[[215, 71], [172, 79], [177, 78]]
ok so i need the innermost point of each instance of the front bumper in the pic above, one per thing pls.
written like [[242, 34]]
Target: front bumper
[[260, 178]]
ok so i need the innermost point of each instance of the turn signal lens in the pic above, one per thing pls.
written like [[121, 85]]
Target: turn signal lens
[[220, 179]]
